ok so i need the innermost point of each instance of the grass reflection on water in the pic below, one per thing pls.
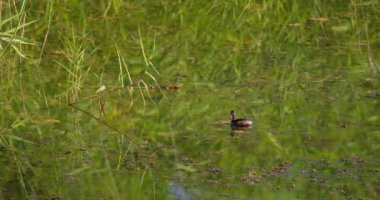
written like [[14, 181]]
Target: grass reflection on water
[[123, 100]]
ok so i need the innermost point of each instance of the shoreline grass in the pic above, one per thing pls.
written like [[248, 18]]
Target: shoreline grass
[[84, 111]]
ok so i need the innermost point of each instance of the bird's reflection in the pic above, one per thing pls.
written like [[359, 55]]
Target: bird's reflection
[[235, 130]]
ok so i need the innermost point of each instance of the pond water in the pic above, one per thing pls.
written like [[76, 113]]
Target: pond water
[[132, 100]]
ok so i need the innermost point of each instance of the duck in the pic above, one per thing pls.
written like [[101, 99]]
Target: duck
[[239, 122]]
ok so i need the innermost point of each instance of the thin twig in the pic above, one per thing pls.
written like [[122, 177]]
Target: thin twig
[[129, 136]]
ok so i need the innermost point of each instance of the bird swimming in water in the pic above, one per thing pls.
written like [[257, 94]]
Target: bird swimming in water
[[239, 122]]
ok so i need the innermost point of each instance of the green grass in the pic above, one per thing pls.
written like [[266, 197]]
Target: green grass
[[90, 106]]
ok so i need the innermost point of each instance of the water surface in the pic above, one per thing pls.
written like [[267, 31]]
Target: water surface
[[131, 100]]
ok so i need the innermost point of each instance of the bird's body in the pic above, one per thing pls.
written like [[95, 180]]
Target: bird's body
[[239, 122]]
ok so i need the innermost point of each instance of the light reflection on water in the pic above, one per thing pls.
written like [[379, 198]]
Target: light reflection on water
[[179, 192]]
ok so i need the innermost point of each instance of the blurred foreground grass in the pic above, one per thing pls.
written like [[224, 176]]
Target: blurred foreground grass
[[307, 72]]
